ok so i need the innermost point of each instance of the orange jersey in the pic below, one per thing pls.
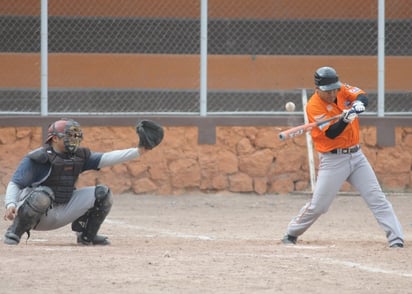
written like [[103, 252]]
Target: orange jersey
[[317, 110]]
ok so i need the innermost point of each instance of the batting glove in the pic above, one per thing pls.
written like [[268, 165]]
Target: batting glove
[[358, 106], [348, 115]]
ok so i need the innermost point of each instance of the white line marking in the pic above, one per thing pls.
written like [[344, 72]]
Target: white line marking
[[349, 263], [38, 240], [161, 232], [58, 249], [310, 247], [365, 267]]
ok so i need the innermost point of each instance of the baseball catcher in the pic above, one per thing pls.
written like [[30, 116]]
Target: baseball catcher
[[42, 193]]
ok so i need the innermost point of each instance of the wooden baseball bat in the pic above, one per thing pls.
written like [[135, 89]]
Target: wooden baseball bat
[[299, 130]]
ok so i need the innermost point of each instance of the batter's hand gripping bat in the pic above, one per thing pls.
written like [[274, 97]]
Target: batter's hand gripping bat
[[299, 130]]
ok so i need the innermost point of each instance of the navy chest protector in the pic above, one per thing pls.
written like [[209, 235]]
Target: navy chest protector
[[65, 170]]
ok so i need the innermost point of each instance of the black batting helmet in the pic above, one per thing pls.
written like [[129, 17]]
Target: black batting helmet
[[326, 79]]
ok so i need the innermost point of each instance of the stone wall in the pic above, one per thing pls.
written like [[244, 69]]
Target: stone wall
[[244, 159]]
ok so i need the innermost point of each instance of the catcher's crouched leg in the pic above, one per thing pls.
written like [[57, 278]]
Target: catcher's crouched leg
[[29, 213], [89, 224]]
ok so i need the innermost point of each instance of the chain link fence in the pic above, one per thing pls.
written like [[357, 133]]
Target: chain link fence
[[127, 57]]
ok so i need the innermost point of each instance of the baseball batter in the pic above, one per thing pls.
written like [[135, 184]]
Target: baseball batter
[[42, 194], [341, 158]]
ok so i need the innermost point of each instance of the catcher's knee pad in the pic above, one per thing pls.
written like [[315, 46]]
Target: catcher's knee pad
[[40, 199], [104, 198], [29, 213]]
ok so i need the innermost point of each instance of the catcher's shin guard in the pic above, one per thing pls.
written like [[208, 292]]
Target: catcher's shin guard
[[89, 224], [29, 213]]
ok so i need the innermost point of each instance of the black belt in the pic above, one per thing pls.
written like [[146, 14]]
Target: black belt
[[346, 150]]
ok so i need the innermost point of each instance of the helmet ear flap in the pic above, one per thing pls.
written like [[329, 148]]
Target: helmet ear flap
[[55, 129], [318, 78]]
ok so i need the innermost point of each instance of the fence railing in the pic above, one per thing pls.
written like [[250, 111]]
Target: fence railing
[[146, 57]]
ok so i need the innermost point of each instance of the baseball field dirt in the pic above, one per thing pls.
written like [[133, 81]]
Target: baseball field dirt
[[216, 244]]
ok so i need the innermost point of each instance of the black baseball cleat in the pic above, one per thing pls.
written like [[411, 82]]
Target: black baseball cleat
[[288, 239], [396, 245], [97, 240]]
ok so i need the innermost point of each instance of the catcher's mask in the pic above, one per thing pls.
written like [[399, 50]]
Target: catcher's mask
[[326, 79], [68, 130]]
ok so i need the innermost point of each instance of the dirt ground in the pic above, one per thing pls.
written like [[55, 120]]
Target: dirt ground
[[216, 244]]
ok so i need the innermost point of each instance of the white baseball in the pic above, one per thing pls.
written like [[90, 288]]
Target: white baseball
[[290, 106]]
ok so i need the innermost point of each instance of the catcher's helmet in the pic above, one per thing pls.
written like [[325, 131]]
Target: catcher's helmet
[[326, 79], [67, 129]]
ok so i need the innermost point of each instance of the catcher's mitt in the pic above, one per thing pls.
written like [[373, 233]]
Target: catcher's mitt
[[150, 134]]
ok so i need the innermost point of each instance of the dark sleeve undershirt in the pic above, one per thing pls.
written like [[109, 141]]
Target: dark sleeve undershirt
[[363, 98], [336, 129]]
